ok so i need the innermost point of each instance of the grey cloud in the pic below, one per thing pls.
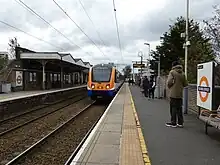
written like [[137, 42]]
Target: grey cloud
[[15, 14], [151, 27], [148, 28]]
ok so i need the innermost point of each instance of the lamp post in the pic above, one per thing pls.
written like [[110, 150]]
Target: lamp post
[[158, 78], [148, 50], [185, 45], [140, 54]]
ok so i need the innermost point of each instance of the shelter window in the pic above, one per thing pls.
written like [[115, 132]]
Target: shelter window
[[35, 77], [30, 77], [51, 77], [58, 78], [69, 78], [55, 77]]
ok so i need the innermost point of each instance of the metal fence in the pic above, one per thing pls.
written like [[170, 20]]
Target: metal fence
[[191, 99]]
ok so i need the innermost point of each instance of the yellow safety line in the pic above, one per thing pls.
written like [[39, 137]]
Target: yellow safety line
[[140, 134]]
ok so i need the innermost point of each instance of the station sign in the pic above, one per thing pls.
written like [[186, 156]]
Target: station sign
[[19, 78], [138, 65], [205, 85], [144, 61]]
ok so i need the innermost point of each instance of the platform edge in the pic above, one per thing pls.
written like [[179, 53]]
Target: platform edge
[[78, 155], [140, 134]]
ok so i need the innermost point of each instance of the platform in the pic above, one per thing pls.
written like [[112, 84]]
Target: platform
[[175, 146], [24, 94], [116, 139]]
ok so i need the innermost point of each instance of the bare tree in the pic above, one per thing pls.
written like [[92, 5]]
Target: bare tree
[[212, 29], [13, 43], [127, 70]]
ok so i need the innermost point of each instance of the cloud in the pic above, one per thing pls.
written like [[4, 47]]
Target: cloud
[[139, 21]]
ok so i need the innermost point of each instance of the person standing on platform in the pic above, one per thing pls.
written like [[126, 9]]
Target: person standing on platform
[[146, 86], [151, 88], [176, 82], [129, 81], [139, 82]]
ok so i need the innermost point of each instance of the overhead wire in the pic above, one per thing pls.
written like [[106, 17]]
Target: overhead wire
[[92, 22], [20, 2], [13, 27], [116, 22], [79, 27]]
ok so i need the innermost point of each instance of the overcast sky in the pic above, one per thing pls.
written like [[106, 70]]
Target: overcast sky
[[139, 21]]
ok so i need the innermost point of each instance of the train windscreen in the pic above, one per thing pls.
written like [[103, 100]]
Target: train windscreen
[[101, 74]]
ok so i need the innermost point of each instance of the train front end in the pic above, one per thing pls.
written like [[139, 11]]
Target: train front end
[[101, 83]]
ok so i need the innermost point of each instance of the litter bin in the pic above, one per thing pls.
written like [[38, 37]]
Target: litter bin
[[6, 87]]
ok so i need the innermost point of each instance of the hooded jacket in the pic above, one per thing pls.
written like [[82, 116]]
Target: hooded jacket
[[176, 82]]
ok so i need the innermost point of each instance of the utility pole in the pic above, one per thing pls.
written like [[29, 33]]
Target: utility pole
[[187, 36], [141, 64], [148, 50], [158, 77], [186, 44]]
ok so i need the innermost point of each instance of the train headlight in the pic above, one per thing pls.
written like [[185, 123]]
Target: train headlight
[[107, 86], [93, 86]]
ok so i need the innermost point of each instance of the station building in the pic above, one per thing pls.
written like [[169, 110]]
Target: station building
[[32, 70]]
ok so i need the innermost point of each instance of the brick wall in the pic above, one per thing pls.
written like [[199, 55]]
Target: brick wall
[[192, 98]]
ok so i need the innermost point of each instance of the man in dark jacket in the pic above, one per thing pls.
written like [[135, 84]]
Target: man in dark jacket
[[146, 86], [176, 82], [151, 88]]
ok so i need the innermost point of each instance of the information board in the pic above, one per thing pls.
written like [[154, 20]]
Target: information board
[[205, 85], [138, 65]]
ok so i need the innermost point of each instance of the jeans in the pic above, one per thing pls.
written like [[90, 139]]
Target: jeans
[[146, 92], [151, 93], [176, 110]]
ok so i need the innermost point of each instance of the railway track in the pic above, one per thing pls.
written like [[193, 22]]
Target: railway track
[[57, 146], [16, 141], [15, 122], [43, 105]]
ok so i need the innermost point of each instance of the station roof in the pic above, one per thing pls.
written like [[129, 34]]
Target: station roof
[[67, 57]]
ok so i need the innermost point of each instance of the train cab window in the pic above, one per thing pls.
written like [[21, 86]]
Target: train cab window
[[101, 74]]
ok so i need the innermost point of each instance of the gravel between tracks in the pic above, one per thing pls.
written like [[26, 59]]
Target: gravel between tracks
[[57, 148], [17, 141], [32, 115]]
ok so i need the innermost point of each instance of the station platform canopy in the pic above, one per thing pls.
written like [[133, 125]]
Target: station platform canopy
[[66, 57]]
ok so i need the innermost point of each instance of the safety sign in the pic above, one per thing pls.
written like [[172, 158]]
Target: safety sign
[[205, 85]]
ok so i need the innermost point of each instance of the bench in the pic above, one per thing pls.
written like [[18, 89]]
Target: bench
[[211, 118]]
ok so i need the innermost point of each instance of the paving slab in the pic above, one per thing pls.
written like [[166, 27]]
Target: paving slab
[[175, 146], [110, 138], [103, 153]]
